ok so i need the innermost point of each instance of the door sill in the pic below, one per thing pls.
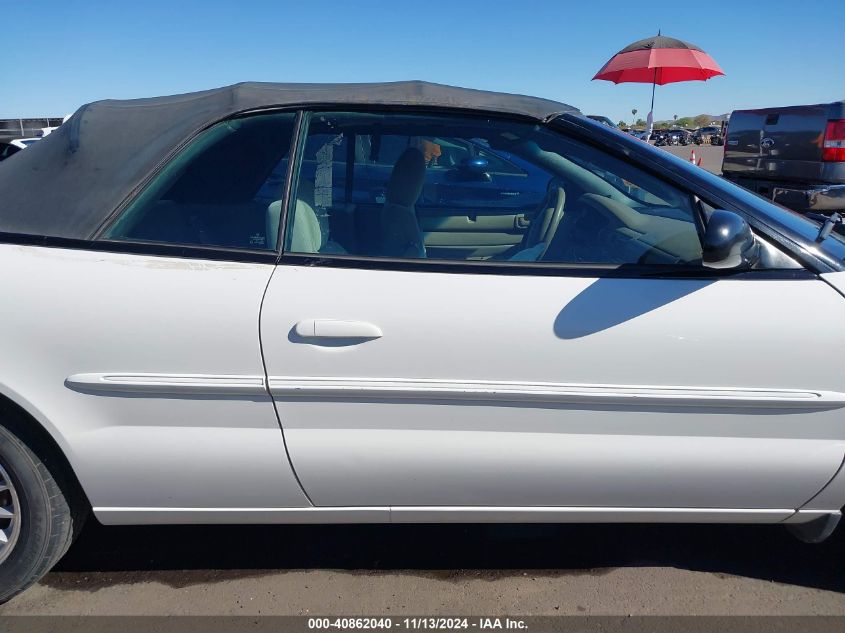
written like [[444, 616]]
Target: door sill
[[441, 514]]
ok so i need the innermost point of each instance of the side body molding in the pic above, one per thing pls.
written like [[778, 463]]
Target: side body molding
[[478, 391], [563, 393]]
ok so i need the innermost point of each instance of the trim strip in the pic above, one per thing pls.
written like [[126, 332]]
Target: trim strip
[[533, 269], [395, 389], [465, 390], [168, 384], [444, 514], [537, 269]]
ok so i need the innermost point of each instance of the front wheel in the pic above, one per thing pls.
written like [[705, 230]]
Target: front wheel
[[38, 514]]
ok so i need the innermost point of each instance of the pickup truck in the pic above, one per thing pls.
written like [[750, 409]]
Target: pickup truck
[[794, 155]]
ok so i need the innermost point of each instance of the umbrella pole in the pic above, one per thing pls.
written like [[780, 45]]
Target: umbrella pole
[[653, 86]]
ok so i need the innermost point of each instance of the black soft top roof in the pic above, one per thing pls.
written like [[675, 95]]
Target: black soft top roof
[[68, 184]]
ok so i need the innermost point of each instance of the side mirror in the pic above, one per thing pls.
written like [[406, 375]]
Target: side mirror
[[729, 242]]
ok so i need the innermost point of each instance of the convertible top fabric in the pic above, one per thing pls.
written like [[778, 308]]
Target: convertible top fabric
[[70, 183]]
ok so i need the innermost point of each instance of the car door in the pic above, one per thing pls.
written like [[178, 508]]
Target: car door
[[612, 374], [152, 360]]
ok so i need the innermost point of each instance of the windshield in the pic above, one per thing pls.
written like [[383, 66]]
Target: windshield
[[721, 193]]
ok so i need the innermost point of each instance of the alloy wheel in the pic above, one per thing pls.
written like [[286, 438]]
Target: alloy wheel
[[10, 515]]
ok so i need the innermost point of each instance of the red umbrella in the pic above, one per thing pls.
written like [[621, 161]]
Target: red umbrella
[[659, 60]]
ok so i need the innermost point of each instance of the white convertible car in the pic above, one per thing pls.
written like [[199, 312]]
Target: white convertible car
[[402, 302]]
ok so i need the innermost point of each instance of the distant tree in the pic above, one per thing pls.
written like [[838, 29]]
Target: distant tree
[[684, 121], [621, 124], [640, 123], [701, 119]]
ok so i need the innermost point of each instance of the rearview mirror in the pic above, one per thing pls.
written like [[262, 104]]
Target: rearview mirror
[[728, 242]]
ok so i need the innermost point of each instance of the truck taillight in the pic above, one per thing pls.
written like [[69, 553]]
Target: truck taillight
[[834, 141]]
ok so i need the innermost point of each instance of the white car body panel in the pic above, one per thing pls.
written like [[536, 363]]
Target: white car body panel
[[480, 401], [77, 311], [504, 391], [23, 143], [837, 280]]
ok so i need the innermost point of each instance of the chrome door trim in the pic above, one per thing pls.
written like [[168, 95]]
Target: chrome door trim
[[563, 393], [207, 384], [467, 390]]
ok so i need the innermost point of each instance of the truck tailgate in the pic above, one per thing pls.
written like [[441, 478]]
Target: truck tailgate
[[777, 143]]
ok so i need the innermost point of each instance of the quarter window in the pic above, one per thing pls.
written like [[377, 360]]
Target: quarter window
[[223, 190], [471, 188]]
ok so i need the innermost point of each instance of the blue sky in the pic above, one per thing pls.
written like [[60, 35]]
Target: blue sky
[[59, 55]]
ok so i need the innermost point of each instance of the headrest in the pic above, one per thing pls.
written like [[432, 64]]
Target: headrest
[[407, 179], [306, 236]]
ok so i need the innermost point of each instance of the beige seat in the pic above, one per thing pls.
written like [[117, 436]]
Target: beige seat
[[400, 230], [306, 234], [543, 228]]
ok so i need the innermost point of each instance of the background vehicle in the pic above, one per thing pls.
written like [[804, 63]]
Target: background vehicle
[[24, 142], [503, 312], [793, 155], [680, 136], [7, 150], [703, 135], [13, 147], [663, 137]]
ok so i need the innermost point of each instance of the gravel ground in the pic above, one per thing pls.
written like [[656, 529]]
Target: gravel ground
[[428, 570]]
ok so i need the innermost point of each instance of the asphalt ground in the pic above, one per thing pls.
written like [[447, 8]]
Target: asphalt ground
[[710, 155], [441, 570]]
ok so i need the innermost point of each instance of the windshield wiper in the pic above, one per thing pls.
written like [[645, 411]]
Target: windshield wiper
[[828, 222]]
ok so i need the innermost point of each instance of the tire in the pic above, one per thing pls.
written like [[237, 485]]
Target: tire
[[48, 510]]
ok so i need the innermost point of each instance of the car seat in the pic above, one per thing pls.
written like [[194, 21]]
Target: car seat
[[400, 230]]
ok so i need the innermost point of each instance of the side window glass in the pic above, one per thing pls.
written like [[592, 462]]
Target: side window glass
[[469, 188], [224, 190]]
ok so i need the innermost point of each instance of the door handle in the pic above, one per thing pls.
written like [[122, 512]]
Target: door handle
[[330, 328]]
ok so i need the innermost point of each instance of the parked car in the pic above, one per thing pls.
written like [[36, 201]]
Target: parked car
[[680, 136], [24, 142], [793, 155], [703, 135], [7, 150], [662, 137], [14, 146], [191, 345]]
